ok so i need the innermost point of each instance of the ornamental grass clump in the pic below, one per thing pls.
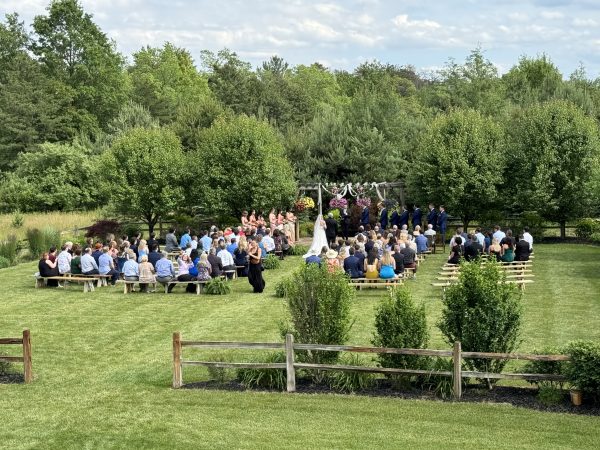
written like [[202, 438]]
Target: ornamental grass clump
[[483, 312]]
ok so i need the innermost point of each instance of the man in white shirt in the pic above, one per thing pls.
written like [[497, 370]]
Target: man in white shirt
[[64, 258], [528, 237], [480, 237], [227, 260], [268, 242], [498, 233]]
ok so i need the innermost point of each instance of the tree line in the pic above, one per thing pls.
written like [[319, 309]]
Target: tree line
[[83, 127]]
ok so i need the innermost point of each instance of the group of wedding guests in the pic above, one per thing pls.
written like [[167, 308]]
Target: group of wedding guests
[[373, 256], [215, 253], [496, 243], [281, 220]]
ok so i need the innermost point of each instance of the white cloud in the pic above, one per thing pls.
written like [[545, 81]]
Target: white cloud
[[552, 15], [578, 22], [420, 26]]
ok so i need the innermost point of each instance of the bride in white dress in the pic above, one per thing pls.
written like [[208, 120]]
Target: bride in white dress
[[319, 238]]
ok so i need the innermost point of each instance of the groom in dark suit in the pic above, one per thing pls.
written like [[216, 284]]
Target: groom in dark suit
[[364, 217], [332, 229], [383, 217]]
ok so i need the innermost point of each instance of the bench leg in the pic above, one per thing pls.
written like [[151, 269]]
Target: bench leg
[[166, 288], [198, 288]]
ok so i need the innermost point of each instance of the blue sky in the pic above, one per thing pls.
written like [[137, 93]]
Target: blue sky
[[342, 34]]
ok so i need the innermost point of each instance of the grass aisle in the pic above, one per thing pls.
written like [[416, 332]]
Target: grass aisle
[[102, 363]]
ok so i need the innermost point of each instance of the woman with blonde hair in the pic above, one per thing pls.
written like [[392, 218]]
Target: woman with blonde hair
[[387, 266], [496, 249], [142, 249], [146, 273], [204, 268]]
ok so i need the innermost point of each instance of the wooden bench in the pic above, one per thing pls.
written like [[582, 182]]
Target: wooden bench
[[374, 283], [129, 285], [233, 274], [87, 280], [199, 284]]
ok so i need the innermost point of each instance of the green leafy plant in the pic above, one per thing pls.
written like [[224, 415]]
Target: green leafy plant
[[282, 287], [9, 249], [221, 374], [595, 238], [583, 370], [18, 219], [351, 381], [400, 323], [550, 395], [4, 263], [586, 227], [319, 309], [266, 378], [298, 250], [5, 366], [483, 313], [547, 368], [442, 386], [271, 262], [217, 286]]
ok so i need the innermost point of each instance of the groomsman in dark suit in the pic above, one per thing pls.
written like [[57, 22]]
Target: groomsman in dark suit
[[404, 217], [395, 218], [332, 229], [383, 217], [364, 217], [432, 218], [442, 222], [345, 222], [417, 217]]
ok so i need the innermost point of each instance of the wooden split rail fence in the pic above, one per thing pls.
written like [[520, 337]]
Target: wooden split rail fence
[[25, 341], [290, 366]]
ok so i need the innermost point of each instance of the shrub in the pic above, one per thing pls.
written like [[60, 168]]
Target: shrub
[[595, 238], [299, 250], [41, 240], [9, 249], [221, 374], [350, 381], [399, 323], [583, 371], [217, 286], [18, 219], [442, 386], [102, 228], [307, 229], [483, 313], [550, 395], [271, 262], [546, 367], [535, 222], [319, 306], [4, 262], [5, 366], [130, 229], [586, 227], [266, 378], [282, 287]]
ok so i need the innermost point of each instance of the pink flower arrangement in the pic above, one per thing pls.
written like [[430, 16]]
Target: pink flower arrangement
[[338, 203], [363, 201]]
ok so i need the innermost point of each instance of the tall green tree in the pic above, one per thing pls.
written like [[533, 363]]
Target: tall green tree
[[554, 153], [240, 164], [532, 80], [143, 174], [460, 164], [76, 52], [165, 79]]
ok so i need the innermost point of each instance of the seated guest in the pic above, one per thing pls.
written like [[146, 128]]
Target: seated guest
[[261, 245], [268, 242], [165, 271], [194, 242], [97, 253], [240, 257], [313, 258], [48, 268], [352, 265], [398, 259], [76, 262], [215, 263], [52, 254], [142, 249], [146, 274], [508, 247], [64, 258], [203, 268], [496, 250], [387, 266], [333, 263], [456, 251], [474, 250], [232, 245], [154, 255], [152, 241], [171, 243], [528, 237], [421, 241], [88, 263], [522, 249], [185, 238], [370, 265], [360, 254], [206, 241], [184, 264], [226, 260], [195, 259], [106, 266], [131, 270], [409, 258]]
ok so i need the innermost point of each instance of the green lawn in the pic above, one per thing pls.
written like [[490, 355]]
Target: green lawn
[[102, 365]]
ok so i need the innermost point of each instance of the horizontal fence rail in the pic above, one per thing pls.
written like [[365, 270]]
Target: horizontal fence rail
[[25, 341], [290, 366]]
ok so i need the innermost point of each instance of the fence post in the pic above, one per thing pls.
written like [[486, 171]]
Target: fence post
[[177, 376], [289, 363], [457, 372], [27, 372]]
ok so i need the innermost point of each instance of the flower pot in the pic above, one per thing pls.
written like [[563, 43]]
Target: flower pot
[[576, 397]]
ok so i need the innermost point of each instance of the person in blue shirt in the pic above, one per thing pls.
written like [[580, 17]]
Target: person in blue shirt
[[206, 241], [131, 270], [106, 266], [165, 271], [185, 239], [195, 258], [421, 241], [232, 246], [313, 259]]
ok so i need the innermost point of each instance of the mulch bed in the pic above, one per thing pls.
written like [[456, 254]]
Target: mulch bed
[[515, 396], [11, 378]]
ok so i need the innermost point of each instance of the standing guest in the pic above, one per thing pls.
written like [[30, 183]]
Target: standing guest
[[383, 217], [215, 263], [131, 269], [364, 217], [528, 237], [387, 266], [474, 250], [456, 251], [480, 237], [255, 277], [443, 222], [48, 268], [522, 249], [171, 243], [240, 256], [352, 265], [152, 241], [146, 274], [185, 238], [417, 217], [64, 258], [403, 221], [345, 216], [76, 262], [165, 272], [154, 255], [395, 218], [89, 266], [432, 217], [226, 260], [331, 229], [106, 266]]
